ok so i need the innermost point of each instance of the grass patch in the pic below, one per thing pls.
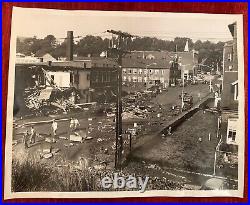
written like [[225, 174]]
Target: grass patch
[[31, 176]]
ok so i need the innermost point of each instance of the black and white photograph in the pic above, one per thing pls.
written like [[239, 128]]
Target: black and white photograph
[[124, 104]]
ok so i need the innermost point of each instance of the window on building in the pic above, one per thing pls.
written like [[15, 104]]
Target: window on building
[[229, 56], [104, 77], [232, 130], [130, 71], [52, 77], [135, 71], [150, 71], [134, 80], [84, 65], [76, 78], [140, 71], [124, 78], [235, 90], [230, 67], [232, 135], [71, 78], [124, 71], [108, 76], [96, 77]]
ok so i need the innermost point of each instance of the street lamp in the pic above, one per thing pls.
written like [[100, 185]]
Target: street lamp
[[148, 73]]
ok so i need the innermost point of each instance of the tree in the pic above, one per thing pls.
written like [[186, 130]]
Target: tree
[[91, 45], [60, 50]]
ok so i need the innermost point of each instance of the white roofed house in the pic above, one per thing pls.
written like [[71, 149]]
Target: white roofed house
[[46, 57]]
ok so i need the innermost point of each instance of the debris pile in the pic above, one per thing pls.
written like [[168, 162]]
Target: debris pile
[[51, 100]]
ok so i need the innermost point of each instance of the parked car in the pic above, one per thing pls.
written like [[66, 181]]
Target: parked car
[[214, 184]]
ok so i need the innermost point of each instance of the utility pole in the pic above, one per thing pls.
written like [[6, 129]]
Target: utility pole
[[119, 50], [215, 155]]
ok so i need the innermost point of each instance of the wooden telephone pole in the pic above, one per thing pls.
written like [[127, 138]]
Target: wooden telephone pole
[[120, 49]]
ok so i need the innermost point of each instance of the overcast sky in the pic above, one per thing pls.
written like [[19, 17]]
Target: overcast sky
[[42, 22]]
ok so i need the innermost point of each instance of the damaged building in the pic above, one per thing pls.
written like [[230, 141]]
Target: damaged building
[[229, 95]]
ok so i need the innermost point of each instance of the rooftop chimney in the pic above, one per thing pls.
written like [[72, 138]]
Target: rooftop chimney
[[69, 46]]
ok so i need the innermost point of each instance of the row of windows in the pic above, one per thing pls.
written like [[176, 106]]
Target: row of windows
[[74, 78], [104, 65], [102, 77], [134, 79], [141, 71]]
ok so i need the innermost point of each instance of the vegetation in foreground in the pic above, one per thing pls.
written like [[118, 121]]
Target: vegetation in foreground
[[34, 176]]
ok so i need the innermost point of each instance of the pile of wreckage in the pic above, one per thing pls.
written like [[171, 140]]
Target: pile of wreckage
[[49, 99]]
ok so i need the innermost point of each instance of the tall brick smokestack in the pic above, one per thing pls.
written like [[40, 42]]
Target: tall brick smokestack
[[69, 46]]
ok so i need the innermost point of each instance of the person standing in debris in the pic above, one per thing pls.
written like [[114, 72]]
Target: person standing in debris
[[199, 96], [76, 123], [32, 135], [169, 130], [25, 139], [54, 127], [71, 125]]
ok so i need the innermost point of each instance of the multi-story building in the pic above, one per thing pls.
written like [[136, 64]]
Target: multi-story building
[[103, 77], [61, 74], [229, 95], [146, 72], [188, 64], [148, 68], [175, 65]]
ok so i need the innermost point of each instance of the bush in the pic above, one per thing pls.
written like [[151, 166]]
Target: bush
[[33, 175], [28, 176]]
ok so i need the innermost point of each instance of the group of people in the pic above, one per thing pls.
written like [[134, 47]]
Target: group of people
[[30, 137], [74, 124]]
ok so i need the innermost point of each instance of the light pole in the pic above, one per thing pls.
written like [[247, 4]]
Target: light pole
[[215, 154], [148, 73], [182, 92]]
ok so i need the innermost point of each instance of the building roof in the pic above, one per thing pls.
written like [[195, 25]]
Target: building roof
[[143, 63], [161, 61], [97, 60], [164, 55], [41, 54], [228, 43], [231, 28]]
